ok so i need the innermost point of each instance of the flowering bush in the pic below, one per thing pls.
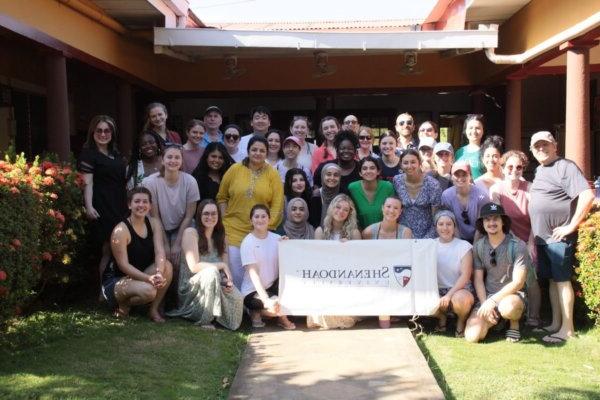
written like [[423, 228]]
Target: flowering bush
[[40, 224], [588, 271]]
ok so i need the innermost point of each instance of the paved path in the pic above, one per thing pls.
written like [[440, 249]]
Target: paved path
[[351, 364]]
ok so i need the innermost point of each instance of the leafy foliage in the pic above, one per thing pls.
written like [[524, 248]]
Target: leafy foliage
[[588, 271]]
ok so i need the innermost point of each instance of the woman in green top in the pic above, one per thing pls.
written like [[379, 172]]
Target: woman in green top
[[473, 130], [369, 193]]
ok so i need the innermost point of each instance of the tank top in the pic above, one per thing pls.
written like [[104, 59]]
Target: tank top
[[140, 251], [399, 231]]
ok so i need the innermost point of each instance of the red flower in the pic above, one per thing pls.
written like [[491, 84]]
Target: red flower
[[16, 243], [578, 293], [67, 171], [61, 218], [2, 275], [46, 256], [46, 165]]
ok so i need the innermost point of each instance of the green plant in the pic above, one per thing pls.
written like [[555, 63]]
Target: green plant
[[588, 271]]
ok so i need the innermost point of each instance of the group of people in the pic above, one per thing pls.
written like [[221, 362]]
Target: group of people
[[205, 216]]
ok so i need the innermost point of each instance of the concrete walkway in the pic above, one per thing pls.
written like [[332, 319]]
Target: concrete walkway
[[368, 363]]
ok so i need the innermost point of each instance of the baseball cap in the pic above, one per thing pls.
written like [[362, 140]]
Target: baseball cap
[[427, 142], [542, 135], [292, 139], [213, 108], [443, 146], [490, 209], [461, 166]]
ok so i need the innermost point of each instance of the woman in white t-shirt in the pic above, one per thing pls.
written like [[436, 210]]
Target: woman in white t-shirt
[[175, 195], [454, 269], [259, 255]]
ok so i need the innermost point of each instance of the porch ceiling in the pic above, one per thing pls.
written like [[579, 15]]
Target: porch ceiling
[[134, 14], [215, 43]]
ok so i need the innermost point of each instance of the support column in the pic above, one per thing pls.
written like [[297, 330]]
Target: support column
[[577, 121], [125, 117], [57, 107], [513, 114]]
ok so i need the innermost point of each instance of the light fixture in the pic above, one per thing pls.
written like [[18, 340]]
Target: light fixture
[[410, 64], [232, 70], [322, 66]]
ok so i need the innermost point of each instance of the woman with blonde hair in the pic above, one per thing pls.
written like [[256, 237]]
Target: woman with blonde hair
[[339, 224]]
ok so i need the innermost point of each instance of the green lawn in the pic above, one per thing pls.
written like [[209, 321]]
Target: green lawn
[[499, 370], [76, 355]]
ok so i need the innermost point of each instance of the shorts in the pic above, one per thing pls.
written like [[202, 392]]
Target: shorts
[[468, 287], [555, 260], [108, 290], [252, 302], [521, 295]]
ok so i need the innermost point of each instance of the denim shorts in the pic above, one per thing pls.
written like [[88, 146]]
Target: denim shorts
[[108, 290], [555, 260]]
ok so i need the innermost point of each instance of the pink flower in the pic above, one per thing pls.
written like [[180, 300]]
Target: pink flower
[[46, 256], [2, 275], [16, 243]]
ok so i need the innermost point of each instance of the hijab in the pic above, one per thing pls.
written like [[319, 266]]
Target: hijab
[[327, 193], [298, 230]]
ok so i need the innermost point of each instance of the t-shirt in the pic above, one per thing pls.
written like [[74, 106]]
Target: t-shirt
[[282, 170], [370, 212], [477, 199], [262, 252], [388, 173], [515, 206], [191, 158], [471, 155], [498, 276], [172, 201], [449, 257], [554, 194]]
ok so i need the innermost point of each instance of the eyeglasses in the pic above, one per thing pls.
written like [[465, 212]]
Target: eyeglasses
[[465, 216], [518, 167], [364, 137], [229, 136], [493, 261], [408, 123], [351, 122]]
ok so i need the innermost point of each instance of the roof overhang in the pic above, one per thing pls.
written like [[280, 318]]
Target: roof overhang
[[215, 43]]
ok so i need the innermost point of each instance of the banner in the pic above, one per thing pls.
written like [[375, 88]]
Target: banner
[[358, 277]]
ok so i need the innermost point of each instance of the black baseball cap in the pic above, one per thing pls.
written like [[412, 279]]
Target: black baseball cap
[[490, 209], [213, 108]]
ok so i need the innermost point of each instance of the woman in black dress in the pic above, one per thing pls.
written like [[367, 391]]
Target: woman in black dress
[[103, 170], [215, 161]]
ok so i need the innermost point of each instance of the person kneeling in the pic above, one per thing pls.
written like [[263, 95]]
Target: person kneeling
[[138, 272], [502, 259], [260, 260]]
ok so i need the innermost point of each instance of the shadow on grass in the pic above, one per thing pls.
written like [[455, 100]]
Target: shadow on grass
[[567, 393]]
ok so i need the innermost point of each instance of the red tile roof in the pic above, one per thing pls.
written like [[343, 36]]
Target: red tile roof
[[390, 25]]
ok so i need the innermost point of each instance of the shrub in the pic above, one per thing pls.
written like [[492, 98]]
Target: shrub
[[40, 224], [588, 271]]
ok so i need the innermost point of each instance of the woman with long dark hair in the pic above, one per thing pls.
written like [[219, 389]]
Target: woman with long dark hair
[[104, 193], [206, 291], [346, 147], [491, 152], [213, 164], [329, 127], [473, 130], [145, 158]]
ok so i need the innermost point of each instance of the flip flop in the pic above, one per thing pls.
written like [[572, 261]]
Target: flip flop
[[542, 329], [440, 329], [513, 335], [290, 327], [553, 339], [459, 334]]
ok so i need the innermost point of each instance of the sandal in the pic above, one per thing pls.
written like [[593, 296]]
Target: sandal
[[513, 335], [288, 327], [258, 323], [440, 329], [459, 333], [553, 339]]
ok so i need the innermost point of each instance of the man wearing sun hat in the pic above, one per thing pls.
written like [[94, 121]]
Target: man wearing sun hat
[[560, 199], [500, 262]]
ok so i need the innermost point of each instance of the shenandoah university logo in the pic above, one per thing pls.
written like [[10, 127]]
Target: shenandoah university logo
[[403, 273]]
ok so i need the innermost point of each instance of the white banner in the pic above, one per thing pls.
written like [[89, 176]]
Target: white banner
[[358, 277]]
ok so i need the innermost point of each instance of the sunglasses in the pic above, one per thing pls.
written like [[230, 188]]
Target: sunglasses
[[493, 261], [465, 216], [409, 123], [230, 136], [364, 138]]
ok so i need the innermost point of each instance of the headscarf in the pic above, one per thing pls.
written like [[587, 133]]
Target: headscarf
[[298, 230], [327, 193], [449, 214]]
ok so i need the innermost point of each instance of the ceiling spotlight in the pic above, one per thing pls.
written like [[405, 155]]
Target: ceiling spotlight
[[232, 70]]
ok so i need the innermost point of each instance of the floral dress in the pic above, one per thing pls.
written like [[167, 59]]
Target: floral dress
[[201, 298], [417, 213]]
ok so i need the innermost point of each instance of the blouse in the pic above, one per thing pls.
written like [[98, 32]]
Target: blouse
[[417, 213], [369, 212]]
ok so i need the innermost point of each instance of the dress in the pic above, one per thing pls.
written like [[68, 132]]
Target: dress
[[417, 213], [110, 197], [201, 298]]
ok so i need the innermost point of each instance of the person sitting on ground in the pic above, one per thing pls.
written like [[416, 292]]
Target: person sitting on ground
[[296, 224], [138, 271], [339, 224], [501, 261], [491, 152], [454, 269], [193, 149], [388, 228], [206, 291], [260, 286], [291, 150], [369, 193], [346, 145]]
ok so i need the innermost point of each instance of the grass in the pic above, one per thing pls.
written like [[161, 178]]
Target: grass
[[499, 370], [90, 355]]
